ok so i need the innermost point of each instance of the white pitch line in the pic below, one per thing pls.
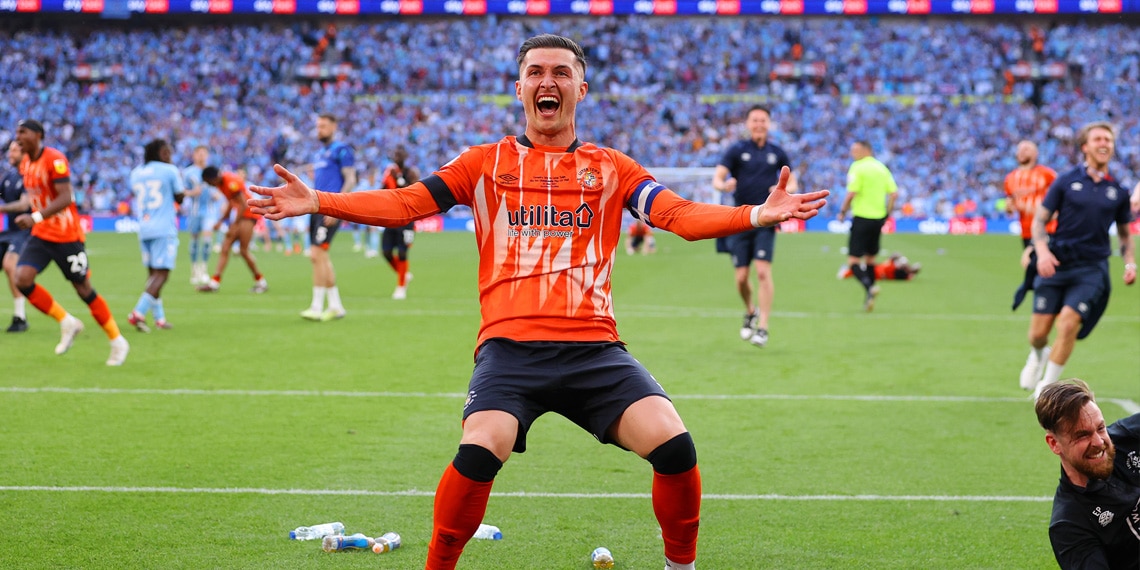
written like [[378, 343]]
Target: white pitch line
[[344, 394], [658, 312], [520, 494], [1128, 405]]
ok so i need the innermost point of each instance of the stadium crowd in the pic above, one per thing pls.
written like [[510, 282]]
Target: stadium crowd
[[932, 96]]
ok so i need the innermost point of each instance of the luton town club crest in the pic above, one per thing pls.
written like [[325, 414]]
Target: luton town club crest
[[589, 178]]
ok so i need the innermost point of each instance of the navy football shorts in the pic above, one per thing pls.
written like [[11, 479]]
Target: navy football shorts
[[588, 383], [1081, 287], [758, 243]]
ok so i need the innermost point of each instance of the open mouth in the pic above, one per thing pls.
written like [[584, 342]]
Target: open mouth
[[547, 105]]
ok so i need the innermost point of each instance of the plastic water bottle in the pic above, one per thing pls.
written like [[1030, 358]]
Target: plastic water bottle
[[352, 542], [387, 543], [602, 558], [316, 531], [488, 532]]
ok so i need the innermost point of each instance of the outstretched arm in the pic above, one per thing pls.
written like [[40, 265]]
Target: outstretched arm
[[387, 208], [693, 220]]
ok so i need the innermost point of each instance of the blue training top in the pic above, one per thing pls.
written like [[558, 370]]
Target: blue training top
[[755, 168], [11, 187], [331, 159]]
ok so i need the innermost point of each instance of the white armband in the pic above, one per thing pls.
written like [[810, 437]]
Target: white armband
[[755, 217], [37, 217]]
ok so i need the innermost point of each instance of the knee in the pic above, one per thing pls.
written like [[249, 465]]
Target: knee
[[477, 463], [1069, 324], [675, 456]]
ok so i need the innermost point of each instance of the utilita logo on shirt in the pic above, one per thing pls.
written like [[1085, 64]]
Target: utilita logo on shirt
[[550, 216]]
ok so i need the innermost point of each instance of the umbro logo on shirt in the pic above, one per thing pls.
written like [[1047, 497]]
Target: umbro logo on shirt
[[508, 178]]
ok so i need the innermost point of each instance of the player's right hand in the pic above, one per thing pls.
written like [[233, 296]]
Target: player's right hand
[[294, 198], [1046, 263]]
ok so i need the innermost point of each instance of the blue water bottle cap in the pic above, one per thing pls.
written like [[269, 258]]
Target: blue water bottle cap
[[292, 535]]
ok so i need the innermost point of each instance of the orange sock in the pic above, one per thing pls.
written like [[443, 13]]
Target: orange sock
[[42, 300], [677, 504], [460, 504], [102, 315], [401, 272]]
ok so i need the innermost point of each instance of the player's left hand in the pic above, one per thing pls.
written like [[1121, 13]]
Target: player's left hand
[[25, 221], [1129, 274], [782, 206]]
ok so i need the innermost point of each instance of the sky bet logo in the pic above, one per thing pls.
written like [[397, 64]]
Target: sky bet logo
[[558, 221]]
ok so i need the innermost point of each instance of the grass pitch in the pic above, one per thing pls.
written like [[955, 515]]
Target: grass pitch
[[897, 439]]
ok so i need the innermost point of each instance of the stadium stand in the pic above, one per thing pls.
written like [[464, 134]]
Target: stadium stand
[[942, 101]]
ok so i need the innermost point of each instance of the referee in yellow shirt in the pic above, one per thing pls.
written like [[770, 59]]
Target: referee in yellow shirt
[[871, 193]]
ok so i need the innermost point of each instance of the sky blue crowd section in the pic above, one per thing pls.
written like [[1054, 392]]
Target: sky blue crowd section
[[670, 92]]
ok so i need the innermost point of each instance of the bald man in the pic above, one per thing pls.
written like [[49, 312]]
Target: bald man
[[1025, 186]]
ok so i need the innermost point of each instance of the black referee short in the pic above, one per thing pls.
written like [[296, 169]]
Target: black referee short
[[588, 383], [864, 238]]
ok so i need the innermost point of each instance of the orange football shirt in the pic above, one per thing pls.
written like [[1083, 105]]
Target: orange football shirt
[[40, 176], [231, 185], [1027, 188], [547, 225]]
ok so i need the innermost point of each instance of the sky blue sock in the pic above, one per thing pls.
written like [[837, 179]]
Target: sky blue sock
[[159, 311], [374, 240], [144, 303]]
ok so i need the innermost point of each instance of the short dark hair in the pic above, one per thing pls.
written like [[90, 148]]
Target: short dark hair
[[209, 173], [865, 144], [759, 107], [328, 117], [153, 149], [32, 125], [1060, 404], [552, 41]]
